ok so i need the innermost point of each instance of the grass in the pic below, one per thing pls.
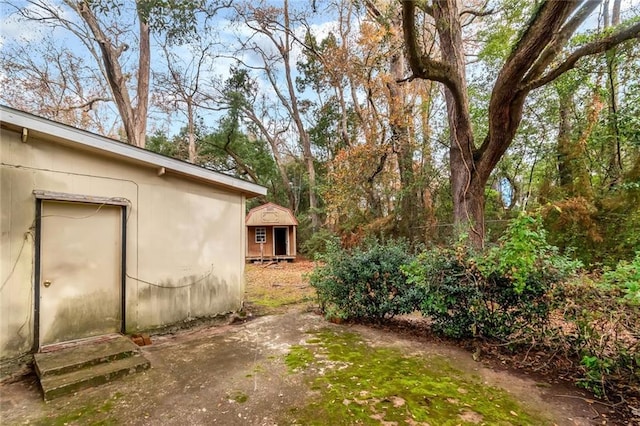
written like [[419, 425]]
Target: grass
[[359, 384], [274, 287]]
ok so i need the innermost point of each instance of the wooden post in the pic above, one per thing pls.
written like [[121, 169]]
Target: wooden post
[[261, 253]]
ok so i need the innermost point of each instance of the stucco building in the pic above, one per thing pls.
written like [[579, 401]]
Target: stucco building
[[103, 237]]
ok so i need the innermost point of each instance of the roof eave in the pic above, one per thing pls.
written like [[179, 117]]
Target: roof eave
[[43, 128]]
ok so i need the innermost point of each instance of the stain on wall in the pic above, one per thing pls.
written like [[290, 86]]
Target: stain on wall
[[89, 315], [190, 297]]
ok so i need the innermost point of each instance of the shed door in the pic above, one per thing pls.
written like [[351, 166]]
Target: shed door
[[80, 278], [280, 241]]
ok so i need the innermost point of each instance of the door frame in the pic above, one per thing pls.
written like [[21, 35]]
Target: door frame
[[80, 199], [286, 241]]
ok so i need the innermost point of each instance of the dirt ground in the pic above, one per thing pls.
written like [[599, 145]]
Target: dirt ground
[[236, 374]]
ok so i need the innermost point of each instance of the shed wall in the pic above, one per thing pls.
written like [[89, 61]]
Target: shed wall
[[254, 248], [185, 239]]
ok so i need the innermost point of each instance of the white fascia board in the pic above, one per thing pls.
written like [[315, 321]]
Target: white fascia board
[[39, 126]]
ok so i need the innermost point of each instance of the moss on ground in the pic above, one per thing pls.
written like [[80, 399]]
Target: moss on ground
[[299, 357], [94, 414], [239, 397], [359, 384]]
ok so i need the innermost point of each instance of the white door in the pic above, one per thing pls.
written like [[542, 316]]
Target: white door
[[80, 275]]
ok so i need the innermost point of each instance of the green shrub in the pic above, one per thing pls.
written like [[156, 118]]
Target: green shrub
[[625, 278], [364, 283], [498, 293], [450, 295], [524, 258], [316, 243]]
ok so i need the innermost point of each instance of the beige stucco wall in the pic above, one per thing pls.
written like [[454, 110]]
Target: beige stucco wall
[[180, 233]]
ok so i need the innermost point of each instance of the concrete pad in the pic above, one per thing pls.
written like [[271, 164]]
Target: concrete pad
[[236, 375]]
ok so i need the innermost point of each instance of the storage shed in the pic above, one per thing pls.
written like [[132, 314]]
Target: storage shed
[[101, 237], [271, 233]]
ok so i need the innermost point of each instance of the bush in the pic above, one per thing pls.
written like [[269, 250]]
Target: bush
[[316, 244], [602, 331], [364, 283], [625, 278], [499, 293], [450, 295]]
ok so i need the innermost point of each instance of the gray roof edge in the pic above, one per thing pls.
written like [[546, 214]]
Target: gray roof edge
[[102, 143]]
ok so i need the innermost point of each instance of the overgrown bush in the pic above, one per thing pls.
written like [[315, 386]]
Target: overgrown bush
[[499, 293], [603, 316], [601, 330], [450, 294], [364, 283]]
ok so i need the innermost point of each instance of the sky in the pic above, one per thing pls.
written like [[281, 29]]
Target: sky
[[227, 34]]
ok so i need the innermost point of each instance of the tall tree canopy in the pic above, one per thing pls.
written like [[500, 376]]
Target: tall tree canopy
[[416, 119], [538, 56]]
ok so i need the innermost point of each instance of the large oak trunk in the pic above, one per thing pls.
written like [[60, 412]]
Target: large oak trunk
[[529, 66]]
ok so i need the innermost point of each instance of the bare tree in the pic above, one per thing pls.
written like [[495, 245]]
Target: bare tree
[[117, 36], [180, 89], [98, 26], [54, 83], [275, 27]]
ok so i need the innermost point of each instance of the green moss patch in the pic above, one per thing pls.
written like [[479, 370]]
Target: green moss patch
[[95, 414], [299, 357], [359, 384], [239, 397]]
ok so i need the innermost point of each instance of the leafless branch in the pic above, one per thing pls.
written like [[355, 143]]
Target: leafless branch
[[88, 104]]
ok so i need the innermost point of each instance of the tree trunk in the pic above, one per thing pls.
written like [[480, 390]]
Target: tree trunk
[[305, 141], [467, 189], [564, 145], [134, 119], [410, 204], [191, 132], [142, 92], [615, 156], [467, 184]]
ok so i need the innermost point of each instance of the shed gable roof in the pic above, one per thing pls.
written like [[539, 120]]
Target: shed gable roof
[[270, 214], [51, 131]]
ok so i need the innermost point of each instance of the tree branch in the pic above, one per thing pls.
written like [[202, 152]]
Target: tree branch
[[423, 66], [477, 12], [559, 40], [546, 22], [88, 104], [239, 162], [632, 32]]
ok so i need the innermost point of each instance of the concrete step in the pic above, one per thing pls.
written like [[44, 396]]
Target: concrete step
[[85, 355], [54, 386], [78, 365]]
